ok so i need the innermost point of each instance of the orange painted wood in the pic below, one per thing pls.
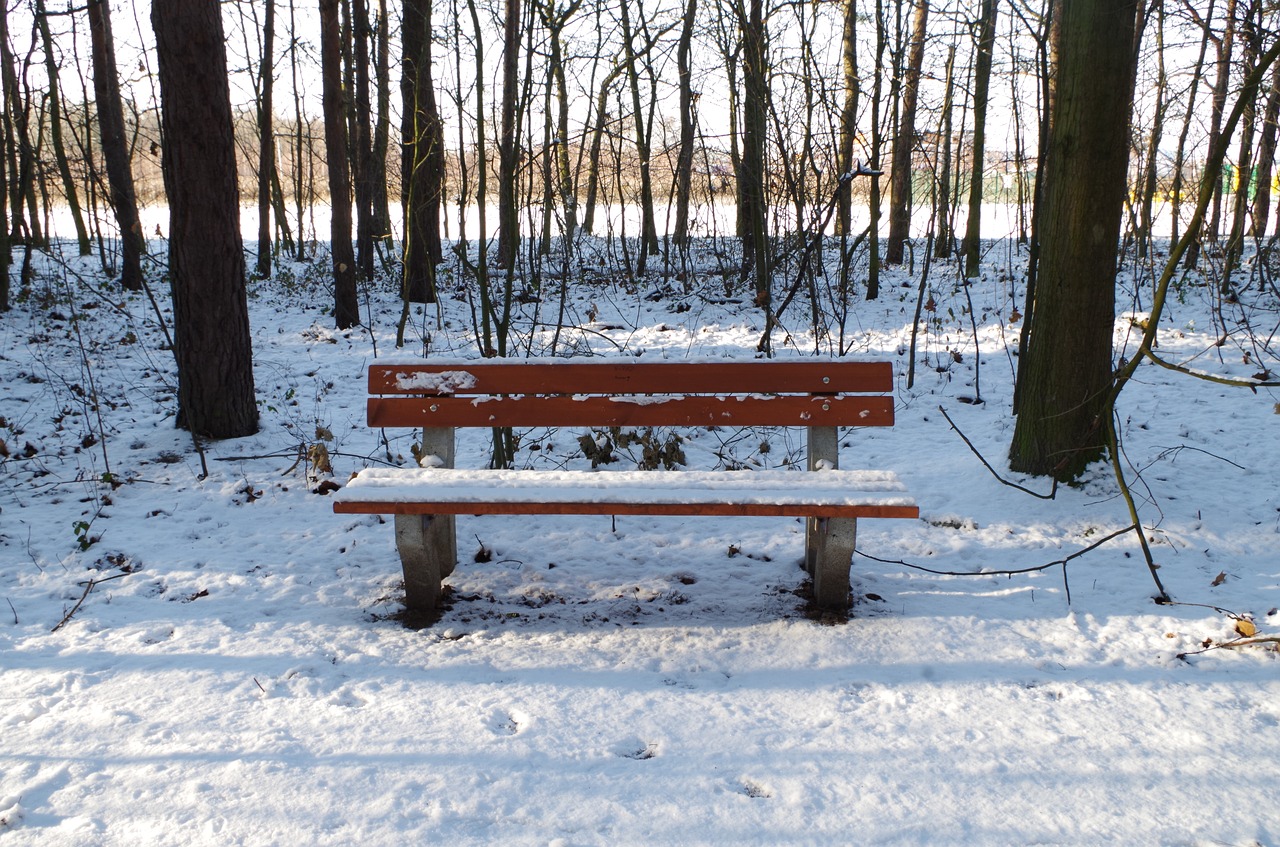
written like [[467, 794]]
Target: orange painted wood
[[605, 376], [426, 507], [785, 410]]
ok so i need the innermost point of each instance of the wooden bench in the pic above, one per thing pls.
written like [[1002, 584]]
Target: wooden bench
[[821, 395]]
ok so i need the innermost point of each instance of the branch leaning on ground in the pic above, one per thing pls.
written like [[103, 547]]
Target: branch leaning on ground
[[1213, 164], [1009, 571], [1053, 489]]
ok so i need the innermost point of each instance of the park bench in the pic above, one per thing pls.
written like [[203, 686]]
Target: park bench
[[820, 395]]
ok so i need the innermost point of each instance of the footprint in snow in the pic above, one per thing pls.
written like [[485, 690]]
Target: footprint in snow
[[634, 748], [502, 722]]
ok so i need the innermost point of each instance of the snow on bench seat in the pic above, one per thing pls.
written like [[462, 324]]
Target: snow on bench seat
[[827, 493]]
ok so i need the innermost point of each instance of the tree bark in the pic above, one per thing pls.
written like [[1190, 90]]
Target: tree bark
[[1065, 374], [848, 116], [422, 165], [688, 116], [55, 132], [900, 182], [755, 253], [508, 148], [346, 309], [362, 142], [971, 247], [115, 146], [266, 138], [212, 343]]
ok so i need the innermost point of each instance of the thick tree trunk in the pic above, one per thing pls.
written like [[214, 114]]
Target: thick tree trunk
[[1065, 374], [115, 146], [346, 310], [422, 165], [212, 343]]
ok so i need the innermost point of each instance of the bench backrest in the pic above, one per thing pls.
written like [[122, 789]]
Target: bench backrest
[[603, 392]]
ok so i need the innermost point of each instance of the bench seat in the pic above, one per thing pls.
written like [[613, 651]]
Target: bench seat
[[823, 494]]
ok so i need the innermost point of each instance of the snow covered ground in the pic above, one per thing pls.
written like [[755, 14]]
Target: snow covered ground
[[213, 657]]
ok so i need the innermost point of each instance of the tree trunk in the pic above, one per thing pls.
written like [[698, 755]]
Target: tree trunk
[[942, 247], [266, 138], [362, 142], [1266, 160], [648, 224], [382, 130], [346, 308], [115, 146], [755, 252], [508, 148], [900, 182], [422, 165], [1065, 374], [848, 117], [212, 343], [55, 132], [684, 162], [981, 88]]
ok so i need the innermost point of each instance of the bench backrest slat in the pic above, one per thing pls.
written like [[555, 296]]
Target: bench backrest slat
[[525, 411], [613, 377]]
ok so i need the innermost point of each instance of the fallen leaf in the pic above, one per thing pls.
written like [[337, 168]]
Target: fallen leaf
[[1219, 579], [1246, 628]]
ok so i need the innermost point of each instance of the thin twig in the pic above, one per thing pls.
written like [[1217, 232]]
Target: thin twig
[[1238, 642], [1053, 490], [88, 587]]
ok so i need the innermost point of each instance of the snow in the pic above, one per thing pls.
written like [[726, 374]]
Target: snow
[[235, 672], [446, 382], [407, 485]]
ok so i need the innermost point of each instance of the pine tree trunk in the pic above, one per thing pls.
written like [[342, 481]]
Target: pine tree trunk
[[212, 343]]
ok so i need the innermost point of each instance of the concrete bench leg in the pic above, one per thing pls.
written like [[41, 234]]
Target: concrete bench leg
[[824, 452], [428, 553], [833, 556]]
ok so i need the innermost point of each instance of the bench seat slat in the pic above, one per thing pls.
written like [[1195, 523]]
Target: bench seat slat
[[604, 376], [867, 494], [527, 411]]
